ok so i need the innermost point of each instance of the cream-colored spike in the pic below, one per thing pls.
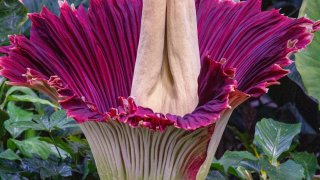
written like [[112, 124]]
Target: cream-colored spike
[[168, 65]]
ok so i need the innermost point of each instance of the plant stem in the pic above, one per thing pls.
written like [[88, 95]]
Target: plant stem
[[55, 145]]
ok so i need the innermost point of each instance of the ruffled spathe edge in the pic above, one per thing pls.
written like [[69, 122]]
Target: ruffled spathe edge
[[257, 43], [215, 94], [107, 36], [136, 116]]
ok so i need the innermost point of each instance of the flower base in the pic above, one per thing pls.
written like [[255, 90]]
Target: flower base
[[123, 152]]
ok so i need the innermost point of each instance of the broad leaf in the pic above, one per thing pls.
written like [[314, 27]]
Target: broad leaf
[[32, 99], [36, 5], [52, 167], [12, 16], [308, 61], [58, 120], [17, 89], [9, 155], [61, 144], [215, 175], [8, 167], [76, 3], [233, 158], [12, 176], [243, 173], [274, 138], [288, 170], [3, 116], [17, 114], [32, 146], [308, 161]]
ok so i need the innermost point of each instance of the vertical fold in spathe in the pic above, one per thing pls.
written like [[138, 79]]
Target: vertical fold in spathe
[[168, 65]]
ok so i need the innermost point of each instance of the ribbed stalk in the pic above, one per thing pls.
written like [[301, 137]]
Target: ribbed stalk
[[122, 152]]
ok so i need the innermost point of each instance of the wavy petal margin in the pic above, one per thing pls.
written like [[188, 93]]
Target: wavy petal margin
[[86, 83], [215, 93], [257, 44], [92, 52]]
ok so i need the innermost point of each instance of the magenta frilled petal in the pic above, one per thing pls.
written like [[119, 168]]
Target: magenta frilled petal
[[93, 53], [255, 43], [215, 86]]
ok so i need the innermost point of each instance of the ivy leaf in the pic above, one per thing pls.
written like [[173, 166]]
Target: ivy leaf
[[308, 60], [12, 16], [274, 138], [288, 170], [9, 155], [17, 114], [308, 161]]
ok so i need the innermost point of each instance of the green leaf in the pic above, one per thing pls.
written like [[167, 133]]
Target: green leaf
[[12, 16], [17, 114], [9, 154], [243, 173], [250, 165], [288, 170], [308, 161], [11, 176], [57, 121], [29, 98], [52, 167], [76, 3], [3, 116], [215, 175], [88, 167], [60, 143], [32, 146], [15, 89], [274, 138], [233, 158], [308, 60], [36, 5], [8, 167]]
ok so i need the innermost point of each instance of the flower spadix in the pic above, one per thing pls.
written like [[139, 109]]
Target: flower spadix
[[152, 83]]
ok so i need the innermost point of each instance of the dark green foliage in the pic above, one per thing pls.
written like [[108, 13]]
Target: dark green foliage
[[270, 157], [38, 140], [12, 16]]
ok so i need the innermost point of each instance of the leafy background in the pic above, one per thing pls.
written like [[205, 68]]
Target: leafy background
[[38, 141]]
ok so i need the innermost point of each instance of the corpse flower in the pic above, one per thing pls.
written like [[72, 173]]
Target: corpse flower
[[152, 83]]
